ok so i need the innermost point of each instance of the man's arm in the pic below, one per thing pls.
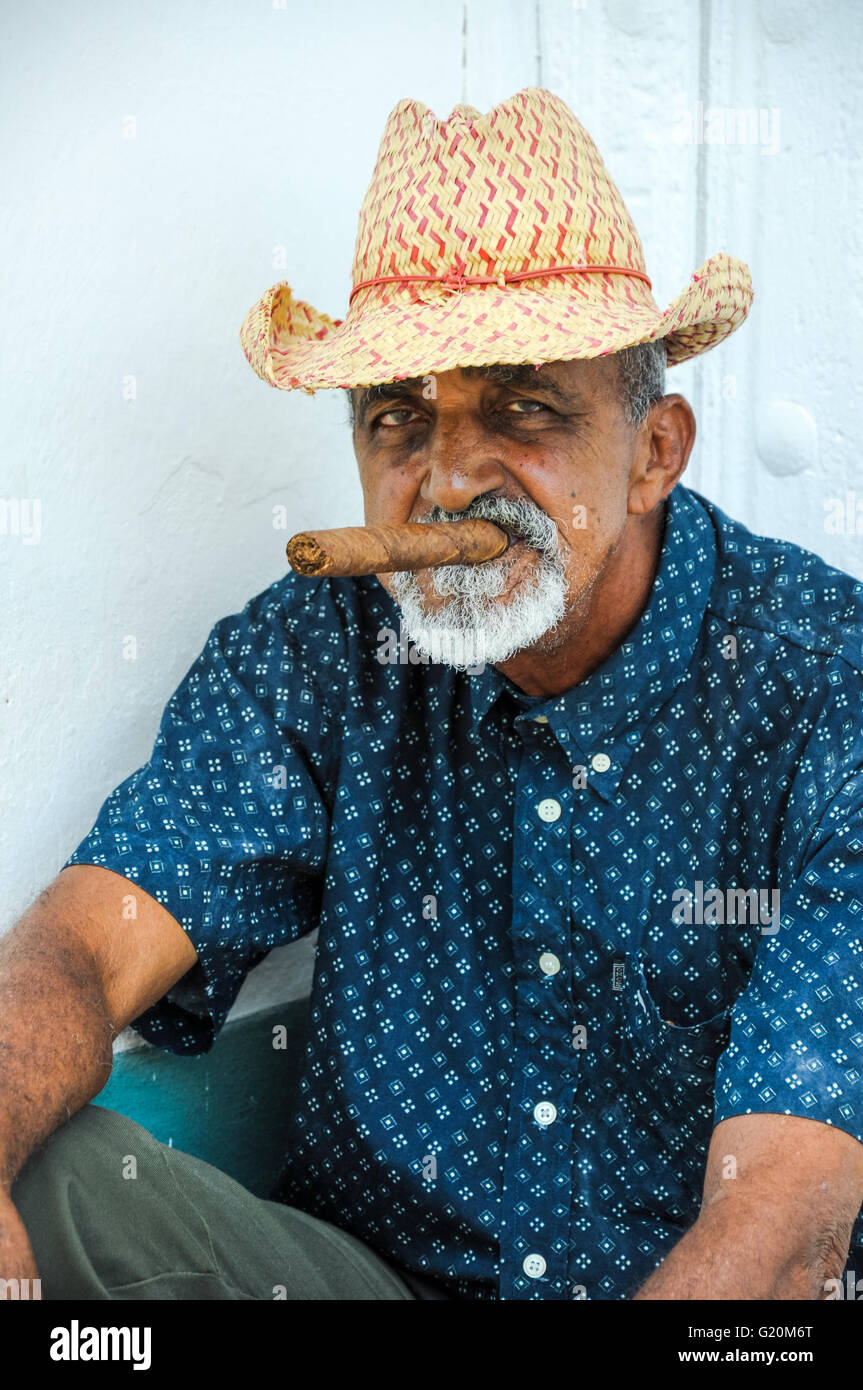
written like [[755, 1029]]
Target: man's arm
[[86, 958], [781, 1194]]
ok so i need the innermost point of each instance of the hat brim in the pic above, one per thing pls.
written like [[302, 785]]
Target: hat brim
[[293, 346]]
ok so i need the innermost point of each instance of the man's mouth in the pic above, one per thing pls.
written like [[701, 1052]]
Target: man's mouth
[[515, 537]]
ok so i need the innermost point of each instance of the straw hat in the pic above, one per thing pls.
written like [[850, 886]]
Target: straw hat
[[496, 238]]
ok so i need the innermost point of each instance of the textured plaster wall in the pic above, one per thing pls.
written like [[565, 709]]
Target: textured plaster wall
[[165, 162]]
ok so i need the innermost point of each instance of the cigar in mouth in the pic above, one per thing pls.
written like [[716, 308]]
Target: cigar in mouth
[[415, 545]]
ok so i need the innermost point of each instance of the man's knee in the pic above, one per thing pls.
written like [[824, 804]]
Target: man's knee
[[94, 1145], [80, 1213]]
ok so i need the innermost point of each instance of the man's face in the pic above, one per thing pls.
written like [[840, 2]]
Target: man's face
[[554, 440]]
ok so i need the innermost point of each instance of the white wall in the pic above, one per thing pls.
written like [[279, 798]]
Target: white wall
[[256, 129]]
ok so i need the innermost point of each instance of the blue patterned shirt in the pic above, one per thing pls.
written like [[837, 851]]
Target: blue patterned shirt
[[560, 938]]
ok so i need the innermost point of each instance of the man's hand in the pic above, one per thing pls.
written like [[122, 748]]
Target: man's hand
[[781, 1194]]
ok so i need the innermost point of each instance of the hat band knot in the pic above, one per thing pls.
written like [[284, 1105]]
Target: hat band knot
[[456, 281]]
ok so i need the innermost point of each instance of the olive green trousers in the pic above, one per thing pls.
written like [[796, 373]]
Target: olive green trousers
[[114, 1214]]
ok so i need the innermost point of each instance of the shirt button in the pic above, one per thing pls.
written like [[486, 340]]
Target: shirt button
[[549, 809], [534, 1266], [600, 762], [545, 1113], [549, 963], [540, 719]]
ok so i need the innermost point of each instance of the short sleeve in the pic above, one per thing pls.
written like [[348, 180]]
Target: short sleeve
[[227, 823], [796, 1042]]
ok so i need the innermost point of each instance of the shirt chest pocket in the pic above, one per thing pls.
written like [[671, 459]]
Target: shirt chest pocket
[[665, 1079]]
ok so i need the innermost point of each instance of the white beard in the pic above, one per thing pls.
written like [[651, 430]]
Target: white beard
[[473, 629]]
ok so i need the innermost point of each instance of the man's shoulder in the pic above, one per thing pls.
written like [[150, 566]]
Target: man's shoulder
[[321, 613], [784, 591]]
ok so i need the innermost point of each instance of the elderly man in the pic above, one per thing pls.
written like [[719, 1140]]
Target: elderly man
[[586, 1019]]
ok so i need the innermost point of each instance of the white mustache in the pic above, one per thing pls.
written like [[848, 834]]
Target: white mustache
[[517, 515]]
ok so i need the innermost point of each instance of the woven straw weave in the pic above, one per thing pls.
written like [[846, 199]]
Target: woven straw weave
[[520, 189]]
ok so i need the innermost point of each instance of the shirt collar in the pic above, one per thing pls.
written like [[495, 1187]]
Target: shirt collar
[[601, 717]]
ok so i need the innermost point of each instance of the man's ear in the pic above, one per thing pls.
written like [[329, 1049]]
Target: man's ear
[[662, 450]]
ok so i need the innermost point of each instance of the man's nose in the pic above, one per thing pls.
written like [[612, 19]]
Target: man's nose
[[462, 464]]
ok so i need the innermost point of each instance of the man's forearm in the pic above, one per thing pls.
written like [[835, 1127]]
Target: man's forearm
[[728, 1254], [55, 1033]]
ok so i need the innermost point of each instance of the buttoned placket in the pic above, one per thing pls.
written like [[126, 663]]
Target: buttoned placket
[[539, 1238], [535, 1243]]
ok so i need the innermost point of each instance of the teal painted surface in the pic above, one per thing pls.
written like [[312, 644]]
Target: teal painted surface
[[230, 1106]]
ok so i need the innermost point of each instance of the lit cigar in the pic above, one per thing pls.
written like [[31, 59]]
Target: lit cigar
[[415, 545]]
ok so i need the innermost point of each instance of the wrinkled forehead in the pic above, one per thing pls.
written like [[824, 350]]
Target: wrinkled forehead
[[562, 380]]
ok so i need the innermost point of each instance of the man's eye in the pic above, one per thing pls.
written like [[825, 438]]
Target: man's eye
[[533, 407], [387, 418]]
